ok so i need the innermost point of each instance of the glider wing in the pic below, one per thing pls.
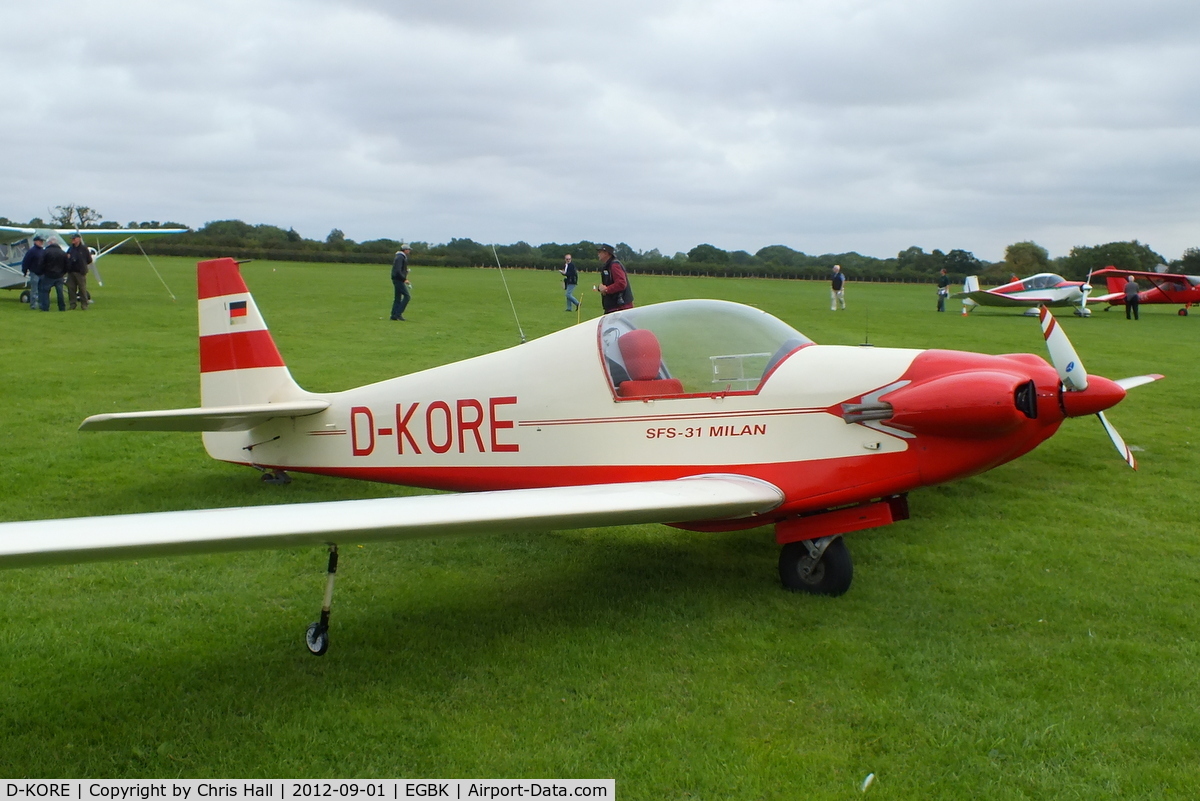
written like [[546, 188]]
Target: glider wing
[[506, 511]]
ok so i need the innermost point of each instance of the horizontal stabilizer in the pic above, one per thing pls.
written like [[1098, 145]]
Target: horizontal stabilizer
[[506, 511], [207, 418]]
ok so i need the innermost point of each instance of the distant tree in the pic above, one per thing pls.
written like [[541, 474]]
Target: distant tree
[[1123, 255], [1190, 263], [680, 256], [336, 239], [109, 224], [707, 254], [1026, 258], [37, 222], [652, 253], [741, 258], [962, 262], [292, 236], [72, 216], [624, 253]]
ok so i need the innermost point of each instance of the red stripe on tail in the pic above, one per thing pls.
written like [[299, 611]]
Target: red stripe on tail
[[240, 351], [219, 277]]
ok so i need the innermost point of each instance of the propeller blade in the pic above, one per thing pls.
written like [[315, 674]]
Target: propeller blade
[[1062, 353], [1084, 291], [1137, 380], [1122, 448]]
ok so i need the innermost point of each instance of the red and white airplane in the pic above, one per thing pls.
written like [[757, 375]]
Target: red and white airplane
[[1164, 288], [1043, 289], [704, 414]]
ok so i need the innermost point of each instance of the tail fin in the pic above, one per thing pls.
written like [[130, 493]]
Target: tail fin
[[1115, 283], [239, 363], [971, 284]]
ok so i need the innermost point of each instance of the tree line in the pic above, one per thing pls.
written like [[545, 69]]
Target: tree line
[[245, 241]]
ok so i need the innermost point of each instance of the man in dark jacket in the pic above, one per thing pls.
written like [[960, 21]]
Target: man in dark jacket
[[1132, 297], [943, 289], [403, 294], [616, 294], [54, 267], [570, 280], [79, 258], [31, 266]]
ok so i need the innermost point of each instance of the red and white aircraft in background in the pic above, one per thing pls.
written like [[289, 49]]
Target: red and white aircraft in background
[[1043, 289], [1165, 288], [704, 414]]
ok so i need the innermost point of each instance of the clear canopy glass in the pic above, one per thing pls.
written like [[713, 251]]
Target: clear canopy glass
[[690, 347]]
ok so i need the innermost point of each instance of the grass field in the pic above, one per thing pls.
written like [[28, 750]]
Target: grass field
[[1029, 633]]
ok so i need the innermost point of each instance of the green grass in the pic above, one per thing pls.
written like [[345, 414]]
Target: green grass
[[1029, 633]]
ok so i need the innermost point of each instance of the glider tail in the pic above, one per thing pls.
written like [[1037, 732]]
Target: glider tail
[[239, 363]]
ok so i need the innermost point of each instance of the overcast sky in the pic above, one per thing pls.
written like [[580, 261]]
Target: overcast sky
[[824, 125]]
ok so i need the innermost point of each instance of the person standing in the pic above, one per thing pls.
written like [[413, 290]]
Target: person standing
[[570, 280], [943, 289], [403, 289], [616, 293], [79, 258], [837, 295], [54, 267], [1131, 297], [31, 266]]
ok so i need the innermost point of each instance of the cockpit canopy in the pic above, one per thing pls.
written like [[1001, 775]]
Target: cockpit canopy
[[1043, 281], [693, 347]]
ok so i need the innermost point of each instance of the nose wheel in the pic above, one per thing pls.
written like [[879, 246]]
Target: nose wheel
[[317, 636], [820, 567]]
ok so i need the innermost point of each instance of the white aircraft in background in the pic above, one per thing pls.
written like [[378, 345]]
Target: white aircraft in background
[[15, 242], [704, 414], [1043, 289]]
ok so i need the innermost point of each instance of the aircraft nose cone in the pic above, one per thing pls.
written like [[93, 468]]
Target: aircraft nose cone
[[1101, 394]]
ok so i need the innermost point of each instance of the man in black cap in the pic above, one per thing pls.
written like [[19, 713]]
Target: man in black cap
[[54, 267], [403, 290], [79, 258], [31, 266], [616, 294]]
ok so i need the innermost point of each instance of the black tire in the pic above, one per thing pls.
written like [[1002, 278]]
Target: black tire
[[1183, 312], [830, 576], [25, 296], [317, 639]]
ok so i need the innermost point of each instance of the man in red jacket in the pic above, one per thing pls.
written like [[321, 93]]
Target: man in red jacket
[[616, 293]]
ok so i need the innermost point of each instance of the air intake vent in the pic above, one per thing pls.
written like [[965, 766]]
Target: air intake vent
[[1025, 399]]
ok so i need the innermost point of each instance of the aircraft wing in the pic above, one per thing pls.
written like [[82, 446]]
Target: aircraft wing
[[984, 298], [11, 233], [206, 418], [1139, 274], [105, 235], [507, 511]]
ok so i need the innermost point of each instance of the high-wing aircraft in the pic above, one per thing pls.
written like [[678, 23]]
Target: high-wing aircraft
[[703, 414], [1164, 288], [1043, 289], [15, 241]]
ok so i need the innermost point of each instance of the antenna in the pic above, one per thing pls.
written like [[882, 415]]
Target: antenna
[[510, 300], [867, 323]]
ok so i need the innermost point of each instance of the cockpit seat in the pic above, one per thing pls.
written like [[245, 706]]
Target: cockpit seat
[[643, 361]]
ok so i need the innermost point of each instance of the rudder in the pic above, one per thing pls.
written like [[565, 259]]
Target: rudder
[[239, 363]]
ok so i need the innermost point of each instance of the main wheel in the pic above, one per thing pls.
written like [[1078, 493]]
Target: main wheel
[[317, 639], [831, 575], [1183, 312], [25, 297]]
